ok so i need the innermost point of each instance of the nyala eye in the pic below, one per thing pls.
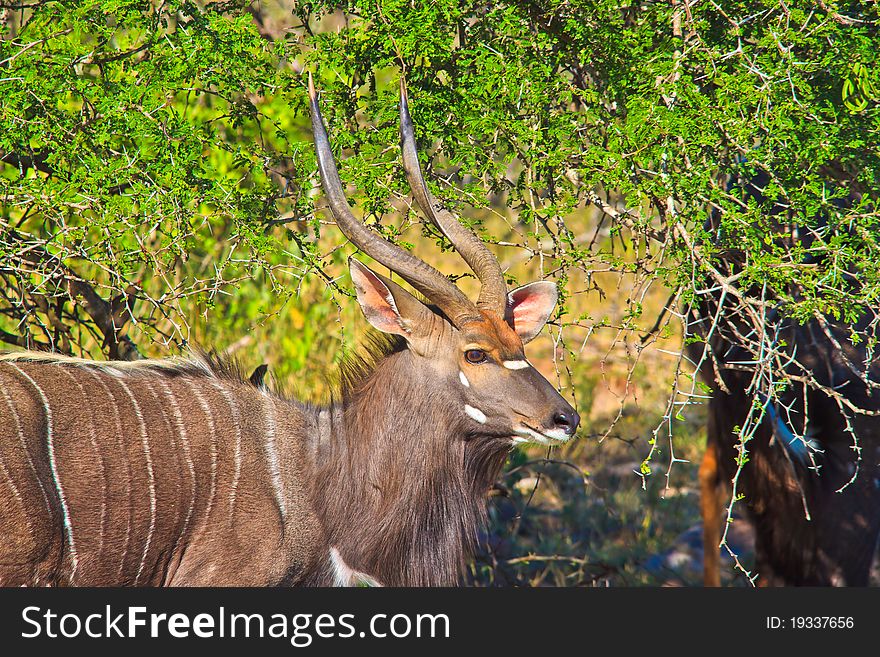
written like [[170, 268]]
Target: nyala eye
[[475, 356]]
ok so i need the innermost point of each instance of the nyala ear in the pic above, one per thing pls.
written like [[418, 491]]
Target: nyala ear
[[386, 305], [529, 307]]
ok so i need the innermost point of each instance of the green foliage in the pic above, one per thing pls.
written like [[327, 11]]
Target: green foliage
[[143, 146], [181, 125]]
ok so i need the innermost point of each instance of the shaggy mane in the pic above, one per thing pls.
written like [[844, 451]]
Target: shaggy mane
[[357, 366]]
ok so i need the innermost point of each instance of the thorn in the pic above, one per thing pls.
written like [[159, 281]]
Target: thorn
[[405, 120], [312, 93]]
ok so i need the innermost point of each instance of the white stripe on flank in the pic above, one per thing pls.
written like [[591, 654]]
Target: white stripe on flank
[[475, 413], [181, 431], [272, 458], [124, 458], [172, 448], [150, 477], [236, 421], [64, 508], [15, 492], [516, 364], [99, 457], [212, 429], [464, 380]]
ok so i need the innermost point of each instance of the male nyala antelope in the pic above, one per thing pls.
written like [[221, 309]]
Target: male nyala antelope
[[162, 473]]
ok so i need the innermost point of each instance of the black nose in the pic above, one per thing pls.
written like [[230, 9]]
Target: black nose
[[567, 420]]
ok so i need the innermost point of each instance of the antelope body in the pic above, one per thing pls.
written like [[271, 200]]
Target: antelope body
[[813, 526], [162, 473], [150, 474], [811, 485]]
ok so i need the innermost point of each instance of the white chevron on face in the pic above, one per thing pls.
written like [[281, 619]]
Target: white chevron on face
[[475, 413]]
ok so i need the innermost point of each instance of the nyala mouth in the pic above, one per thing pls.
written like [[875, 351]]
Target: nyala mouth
[[526, 434]]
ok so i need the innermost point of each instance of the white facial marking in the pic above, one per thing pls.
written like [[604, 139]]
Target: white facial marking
[[551, 437], [464, 381], [557, 434], [516, 364], [529, 436], [475, 413]]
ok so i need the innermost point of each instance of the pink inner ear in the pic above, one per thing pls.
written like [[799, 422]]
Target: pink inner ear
[[379, 312], [526, 307], [530, 307], [376, 300]]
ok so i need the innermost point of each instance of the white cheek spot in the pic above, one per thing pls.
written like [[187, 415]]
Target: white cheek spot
[[516, 364], [475, 413], [463, 378]]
